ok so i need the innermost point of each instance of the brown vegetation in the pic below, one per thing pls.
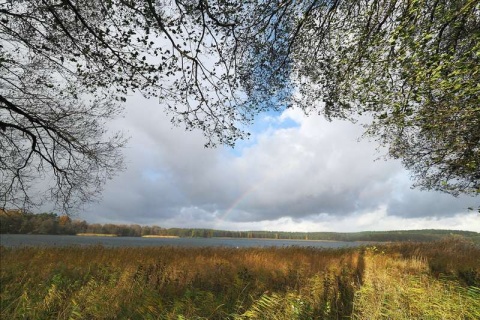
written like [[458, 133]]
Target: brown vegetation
[[401, 281]]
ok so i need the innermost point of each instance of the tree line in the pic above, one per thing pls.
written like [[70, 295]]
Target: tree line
[[18, 222]]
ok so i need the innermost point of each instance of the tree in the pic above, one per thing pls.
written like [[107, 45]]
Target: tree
[[66, 66], [412, 66], [51, 113]]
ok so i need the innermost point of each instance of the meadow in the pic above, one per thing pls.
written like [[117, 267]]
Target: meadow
[[437, 280]]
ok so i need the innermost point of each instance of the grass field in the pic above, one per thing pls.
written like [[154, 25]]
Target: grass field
[[437, 280]]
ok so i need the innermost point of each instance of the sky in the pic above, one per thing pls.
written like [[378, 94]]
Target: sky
[[295, 173]]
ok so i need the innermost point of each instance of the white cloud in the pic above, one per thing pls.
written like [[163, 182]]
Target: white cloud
[[312, 176]]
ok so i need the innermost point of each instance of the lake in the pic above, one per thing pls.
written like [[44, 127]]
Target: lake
[[22, 240]]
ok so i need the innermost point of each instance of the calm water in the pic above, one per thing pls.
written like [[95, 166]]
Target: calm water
[[20, 240]]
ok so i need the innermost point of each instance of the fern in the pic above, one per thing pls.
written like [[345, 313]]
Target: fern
[[277, 307], [265, 305]]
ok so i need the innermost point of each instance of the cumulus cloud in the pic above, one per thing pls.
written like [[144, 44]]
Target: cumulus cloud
[[297, 171]]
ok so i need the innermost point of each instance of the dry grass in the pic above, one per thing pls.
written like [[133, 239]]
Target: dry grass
[[403, 288], [391, 282], [168, 282]]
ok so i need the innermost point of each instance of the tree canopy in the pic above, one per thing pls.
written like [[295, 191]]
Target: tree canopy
[[65, 67], [410, 66]]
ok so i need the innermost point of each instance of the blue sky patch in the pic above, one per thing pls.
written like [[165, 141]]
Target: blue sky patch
[[264, 122]]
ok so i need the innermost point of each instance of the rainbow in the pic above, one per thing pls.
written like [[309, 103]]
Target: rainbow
[[242, 197], [237, 202]]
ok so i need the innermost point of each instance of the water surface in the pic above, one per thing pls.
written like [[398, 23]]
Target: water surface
[[22, 240]]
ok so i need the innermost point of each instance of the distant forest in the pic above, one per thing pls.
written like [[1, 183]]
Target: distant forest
[[18, 222]]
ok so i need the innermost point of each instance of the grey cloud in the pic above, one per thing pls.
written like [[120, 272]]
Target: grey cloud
[[316, 169], [415, 203]]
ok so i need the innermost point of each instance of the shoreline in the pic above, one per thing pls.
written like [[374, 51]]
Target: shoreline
[[96, 235], [156, 236]]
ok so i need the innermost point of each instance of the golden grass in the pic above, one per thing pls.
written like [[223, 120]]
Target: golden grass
[[389, 282], [403, 288]]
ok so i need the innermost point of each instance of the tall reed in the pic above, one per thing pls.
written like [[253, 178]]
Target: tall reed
[[400, 281]]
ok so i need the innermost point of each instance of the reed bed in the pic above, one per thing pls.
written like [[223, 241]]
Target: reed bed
[[402, 288], [388, 282]]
